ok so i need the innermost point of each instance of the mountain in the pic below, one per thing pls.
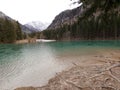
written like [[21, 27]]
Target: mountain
[[10, 30], [37, 25], [93, 20], [26, 29], [23, 27], [65, 17], [2, 15]]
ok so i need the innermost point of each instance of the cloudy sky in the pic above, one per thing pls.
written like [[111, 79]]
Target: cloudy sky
[[34, 10]]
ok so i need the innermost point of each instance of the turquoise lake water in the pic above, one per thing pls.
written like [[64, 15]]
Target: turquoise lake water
[[35, 64]]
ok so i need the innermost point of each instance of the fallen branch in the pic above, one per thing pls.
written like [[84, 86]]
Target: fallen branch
[[68, 82], [110, 72]]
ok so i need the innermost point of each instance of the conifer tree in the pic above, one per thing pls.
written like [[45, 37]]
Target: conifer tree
[[18, 31]]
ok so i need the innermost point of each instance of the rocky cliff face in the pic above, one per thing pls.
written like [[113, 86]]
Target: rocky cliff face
[[65, 17]]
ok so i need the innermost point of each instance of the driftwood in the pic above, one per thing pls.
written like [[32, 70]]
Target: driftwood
[[68, 82], [110, 72]]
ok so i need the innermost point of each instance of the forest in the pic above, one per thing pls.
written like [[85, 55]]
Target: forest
[[10, 31], [100, 20]]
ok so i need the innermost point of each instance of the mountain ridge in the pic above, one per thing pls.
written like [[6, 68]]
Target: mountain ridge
[[37, 25], [23, 27], [98, 20], [65, 17]]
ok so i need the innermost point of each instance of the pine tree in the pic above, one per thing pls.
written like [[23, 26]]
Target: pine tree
[[18, 31], [9, 32]]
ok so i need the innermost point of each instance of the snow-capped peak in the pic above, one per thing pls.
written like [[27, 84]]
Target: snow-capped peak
[[39, 26]]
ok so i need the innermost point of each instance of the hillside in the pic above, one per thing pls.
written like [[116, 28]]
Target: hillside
[[23, 27], [95, 20], [65, 17], [10, 30]]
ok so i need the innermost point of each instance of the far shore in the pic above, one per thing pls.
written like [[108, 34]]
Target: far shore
[[33, 40], [21, 41], [97, 72]]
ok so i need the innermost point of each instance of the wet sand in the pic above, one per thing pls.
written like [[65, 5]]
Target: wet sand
[[97, 72]]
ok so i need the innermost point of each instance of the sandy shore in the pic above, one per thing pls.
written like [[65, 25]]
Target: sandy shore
[[21, 41], [100, 72]]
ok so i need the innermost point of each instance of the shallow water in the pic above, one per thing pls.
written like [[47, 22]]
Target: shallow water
[[35, 64]]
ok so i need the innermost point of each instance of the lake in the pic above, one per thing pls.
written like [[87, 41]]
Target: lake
[[34, 64]]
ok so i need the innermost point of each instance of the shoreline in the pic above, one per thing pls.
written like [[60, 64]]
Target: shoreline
[[33, 40], [90, 74], [21, 41]]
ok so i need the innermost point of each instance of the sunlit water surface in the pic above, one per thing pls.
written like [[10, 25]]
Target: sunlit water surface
[[35, 64]]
